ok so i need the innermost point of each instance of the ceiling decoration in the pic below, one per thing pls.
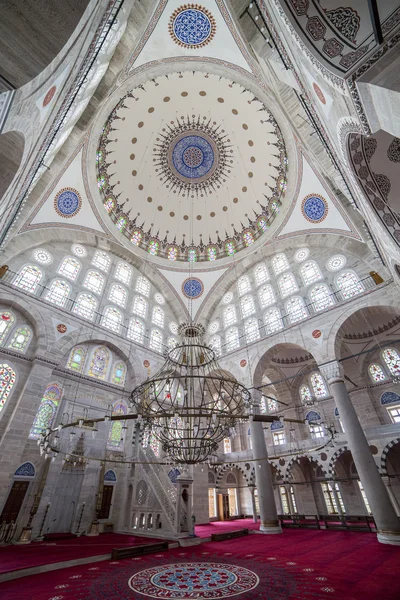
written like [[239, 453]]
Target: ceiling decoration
[[191, 167], [67, 203], [314, 208], [192, 26], [192, 287]]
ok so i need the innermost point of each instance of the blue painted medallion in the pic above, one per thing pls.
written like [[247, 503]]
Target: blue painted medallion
[[192, 27], [192, 288], [25, 470], [390, 398], [314, 208], [67, 203], [193, 157]]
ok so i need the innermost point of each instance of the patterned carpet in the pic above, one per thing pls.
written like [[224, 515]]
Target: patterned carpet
[[298, 565]]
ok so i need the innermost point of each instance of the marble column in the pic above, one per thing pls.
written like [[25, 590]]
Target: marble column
[[387, 522], [289, 499], [253, 503], [266, 499]]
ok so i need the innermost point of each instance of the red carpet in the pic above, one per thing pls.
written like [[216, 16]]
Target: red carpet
[[44, 553], [205, 531], [297, 565]]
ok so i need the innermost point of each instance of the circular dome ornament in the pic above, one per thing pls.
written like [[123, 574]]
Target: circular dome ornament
[[79, 250], [42, 256], [67, 203], [194, 580], [336, 262], [192, 26], [301, 254], [314, 208], [192, 288]]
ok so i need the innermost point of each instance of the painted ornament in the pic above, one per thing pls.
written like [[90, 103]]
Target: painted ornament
[[61, 328], [49, 96], [316, 333], [243, 362], [192, 26], [319, 93]]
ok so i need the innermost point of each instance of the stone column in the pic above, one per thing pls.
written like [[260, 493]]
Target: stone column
[[393, 499], [266, 499], [387, 522], [253, 503], [289, 499]]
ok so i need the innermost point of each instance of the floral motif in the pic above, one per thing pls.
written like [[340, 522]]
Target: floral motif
[[192, 26], [370, 145], [332, 47], [314, 208], [316, 28], [393, 152], [383, 184], [67, 203], [192, 288]]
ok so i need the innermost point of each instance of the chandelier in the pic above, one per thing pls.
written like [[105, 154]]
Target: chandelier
[[190, 404]]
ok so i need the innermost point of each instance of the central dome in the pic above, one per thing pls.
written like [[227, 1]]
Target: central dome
[[191, 166]]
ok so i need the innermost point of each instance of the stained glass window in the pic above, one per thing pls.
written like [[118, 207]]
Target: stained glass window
[[321, 297], [158, 316], [77, 359], [243, 285], [247, 306], [376, 372], [139, 306], [102, 260], [94, 281], [85, 306], [156, 340], [310, 272], [47, 410], [349, 284], [118, 373], [42, 256], [143, 286], [263, 405], [172, 253], [121, 223], [192, 255], [112, 319], [6, 321], [123, 273], [251, 330], [227, 445], [109, 205], [273, 321], [118, 294], [230, 248], [116, 436], [99, 363], [211, 253], [279, 438], [261, 274], [70, 268], [248, 238], [318, 385], [7, 380], [229, 315], [136, 237], [272, 404], [266, 296], [153, 248], [28, 278], [136, 331], [262, 223], [392, 359], [20, 339], [58, 292], [232, 339], [305, 394], [154, 445], [336, 262], [295, 309], [280, 263], [215, 344], [287, 285]]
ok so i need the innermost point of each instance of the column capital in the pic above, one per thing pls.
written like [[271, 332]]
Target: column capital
[[333, 371]]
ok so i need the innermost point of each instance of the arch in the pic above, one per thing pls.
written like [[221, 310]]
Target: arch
[[312, 416], [7, 320], [116, 434], [12, 145], [385, 452], [247, 471], [77, 359], [390, 398], [99, 363], [20, 339], [332, 462], [27, 469], [7, 380], [70, 267], [47, 410], [110, 476]]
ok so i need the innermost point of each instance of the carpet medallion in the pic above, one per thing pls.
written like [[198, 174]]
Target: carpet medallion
[[191, 581]]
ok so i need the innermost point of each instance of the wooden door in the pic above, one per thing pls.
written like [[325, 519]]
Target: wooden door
[[106, 502], [223, 506], [14, 501]]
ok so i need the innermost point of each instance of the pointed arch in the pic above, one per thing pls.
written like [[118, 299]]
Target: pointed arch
[[47, 410]]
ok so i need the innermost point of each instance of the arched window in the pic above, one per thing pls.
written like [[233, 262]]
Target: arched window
[[192, 255], [112, 319], [227, 445], [58, 292], [215, 344], [47, 410], [349, 284], [376, 372], [392, 359], [94, 281], [158, 316], [99, 364], [142, 286], [243, 285], [310, 272], [295, 309], [118, 294], [139, 306], [232, 339], [318, 385], [118, 373], [251, 330], [280, 263], [172, 253], [136, 331], [272, 404], [101, 260], [123, 273], [229, 315], [153, 247], [156, 340], [77, 359], [273, 321], [266, 296], [116, 434], [6, 321], [28, 278], [261, 274], [20, 339], [230, 248], [7, 380], [70, 268], [287, 285], [136, 237], [211, 253], [321, 297], [121, 223], [85, 306], [247, 306], [154, 444], [305, 394]]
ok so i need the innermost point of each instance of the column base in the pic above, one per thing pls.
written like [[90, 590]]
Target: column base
[[388, 537], [25, 537], [270, 528]]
